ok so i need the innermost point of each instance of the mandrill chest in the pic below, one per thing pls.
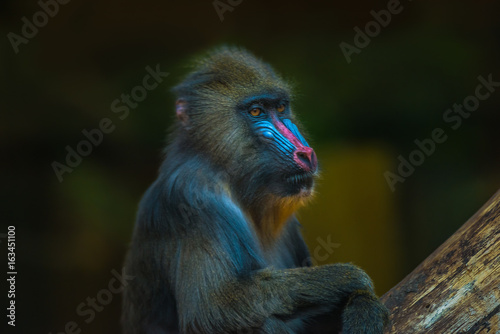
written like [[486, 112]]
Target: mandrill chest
[[275, 240], [279, 257]]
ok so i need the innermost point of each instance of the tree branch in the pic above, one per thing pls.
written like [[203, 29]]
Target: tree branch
[[457, 288]]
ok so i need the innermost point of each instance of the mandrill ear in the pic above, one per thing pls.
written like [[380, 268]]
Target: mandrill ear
[[181, 107]]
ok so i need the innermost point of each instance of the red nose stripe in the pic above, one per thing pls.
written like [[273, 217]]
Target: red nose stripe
[[299, 147], [287, 133]]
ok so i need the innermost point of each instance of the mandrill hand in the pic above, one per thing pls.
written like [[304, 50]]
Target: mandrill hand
[[364, 314]]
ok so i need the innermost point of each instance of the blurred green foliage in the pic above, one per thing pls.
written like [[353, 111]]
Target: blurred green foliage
[[360, 116]]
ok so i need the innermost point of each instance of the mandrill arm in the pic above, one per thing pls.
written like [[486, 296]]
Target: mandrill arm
[[222, 285]]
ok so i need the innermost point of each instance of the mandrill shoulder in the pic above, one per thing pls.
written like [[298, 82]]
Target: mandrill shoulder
[[190, 195]]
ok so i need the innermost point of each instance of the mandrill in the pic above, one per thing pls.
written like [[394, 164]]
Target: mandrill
[[216, 247]]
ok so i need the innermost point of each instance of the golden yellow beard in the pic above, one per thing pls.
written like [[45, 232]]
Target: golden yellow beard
[[270, 218]]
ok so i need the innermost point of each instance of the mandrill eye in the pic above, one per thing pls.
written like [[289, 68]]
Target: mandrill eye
[[281, 108], [255, 112]]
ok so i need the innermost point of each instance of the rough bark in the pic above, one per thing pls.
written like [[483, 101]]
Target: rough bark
[[457, 288]]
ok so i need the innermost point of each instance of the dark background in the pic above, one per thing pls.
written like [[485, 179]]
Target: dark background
[[360, 116]]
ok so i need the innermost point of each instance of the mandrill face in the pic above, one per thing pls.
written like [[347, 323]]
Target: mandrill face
[[236, 110], [290, 163]]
